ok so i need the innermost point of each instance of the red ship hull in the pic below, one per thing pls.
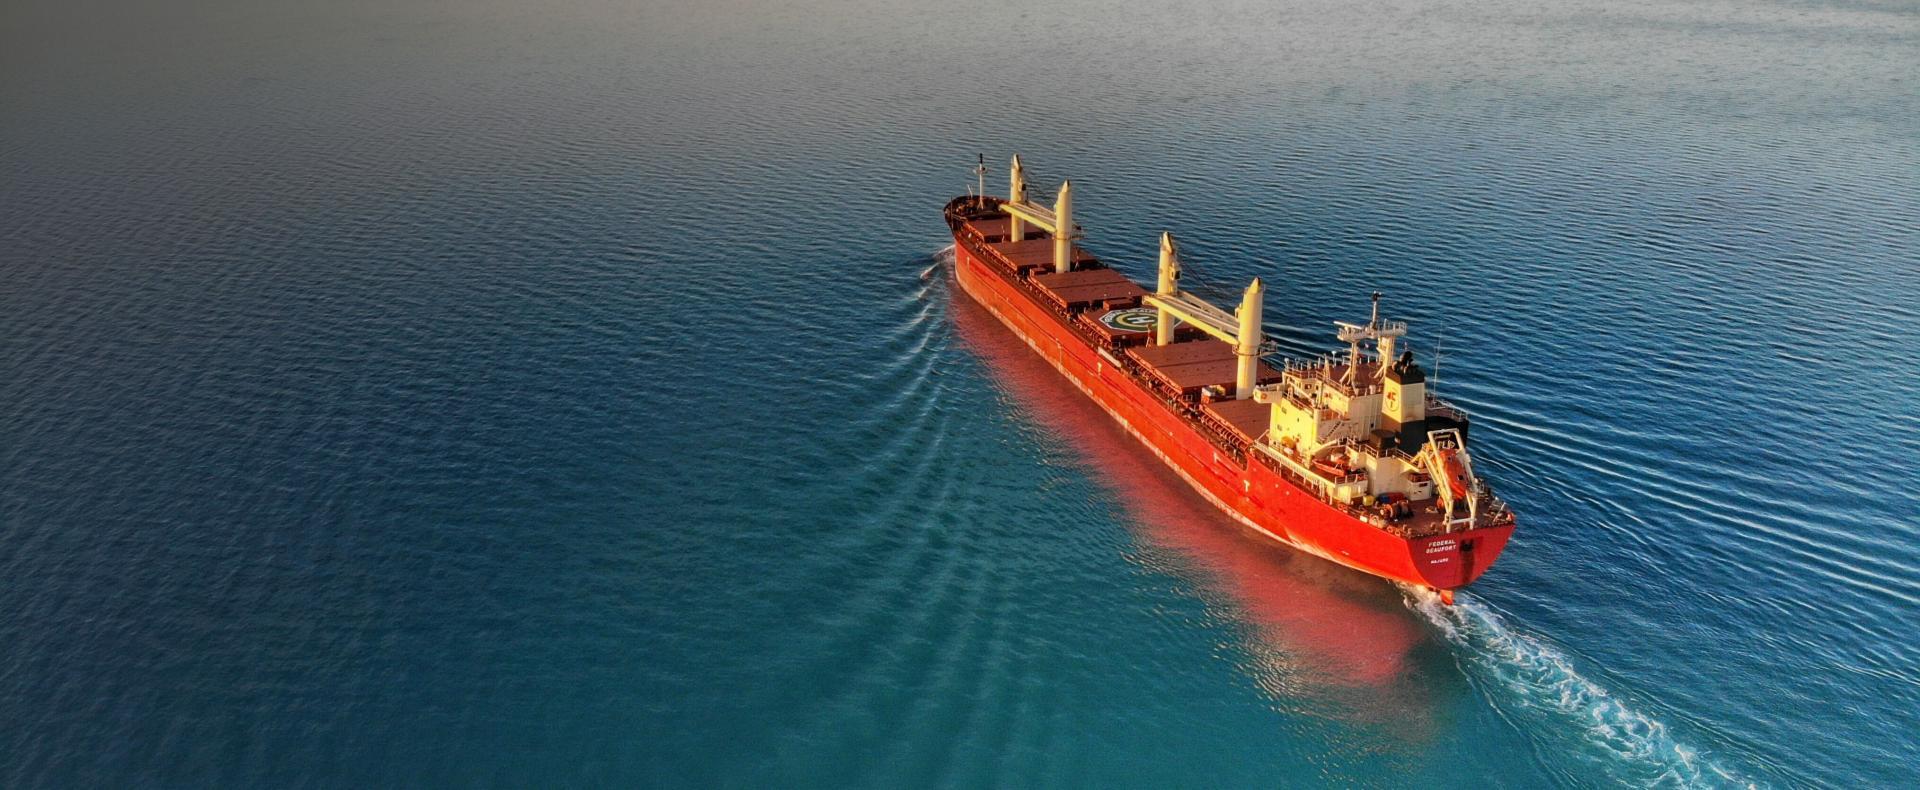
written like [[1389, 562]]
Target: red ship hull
[[1252, 493]]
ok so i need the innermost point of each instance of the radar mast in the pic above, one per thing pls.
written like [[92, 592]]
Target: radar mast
[[1383, 333]]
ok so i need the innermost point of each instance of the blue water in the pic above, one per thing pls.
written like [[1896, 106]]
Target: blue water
[[487, 393]]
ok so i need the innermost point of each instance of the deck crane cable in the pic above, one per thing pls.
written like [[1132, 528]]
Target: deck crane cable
[[1192, 281]]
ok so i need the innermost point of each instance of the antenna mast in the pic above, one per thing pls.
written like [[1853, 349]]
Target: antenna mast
[[980, 174], [1384, 333]]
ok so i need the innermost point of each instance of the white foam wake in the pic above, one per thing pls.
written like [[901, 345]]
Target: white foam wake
[[939, 260], [1537, 686]]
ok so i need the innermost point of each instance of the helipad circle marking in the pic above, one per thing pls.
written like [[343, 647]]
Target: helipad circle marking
[[1132, 319]]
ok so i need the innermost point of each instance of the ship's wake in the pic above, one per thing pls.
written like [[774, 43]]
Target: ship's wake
[[938, 261], [1566, 716], [1536, 687]]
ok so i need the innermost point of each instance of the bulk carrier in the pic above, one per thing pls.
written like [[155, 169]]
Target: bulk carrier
[[1347, 456]]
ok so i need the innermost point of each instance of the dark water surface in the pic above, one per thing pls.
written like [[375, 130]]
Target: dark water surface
[[572, 393]]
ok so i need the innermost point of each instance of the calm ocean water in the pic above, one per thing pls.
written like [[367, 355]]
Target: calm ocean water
[[574, 393]]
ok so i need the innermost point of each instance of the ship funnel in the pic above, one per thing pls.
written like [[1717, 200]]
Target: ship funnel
[[1017, 193], [1169, 285], [1063, 228], [1247, 347]]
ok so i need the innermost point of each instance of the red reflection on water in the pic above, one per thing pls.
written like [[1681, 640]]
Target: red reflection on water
[[1316, 627]]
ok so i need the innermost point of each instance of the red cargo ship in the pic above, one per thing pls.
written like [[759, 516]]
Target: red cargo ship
[[1347, 456]]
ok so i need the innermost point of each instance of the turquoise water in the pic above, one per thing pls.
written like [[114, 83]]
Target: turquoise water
[[484, 393]]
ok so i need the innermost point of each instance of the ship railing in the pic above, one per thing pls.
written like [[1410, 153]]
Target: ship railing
[[1222, 433], [1436, 406], [1322, 488], [1494, 511], [1325, 368], [1357, 447], [1224, 440], [1296, 471]]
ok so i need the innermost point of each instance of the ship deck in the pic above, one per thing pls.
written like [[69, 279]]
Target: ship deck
[[1180, 372], [1246, 418], [1183, 368], [1188, 366], [1086, 287], [1034, 254]]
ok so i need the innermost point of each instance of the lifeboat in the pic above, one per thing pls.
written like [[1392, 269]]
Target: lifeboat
[[1332, 465], [1456, 473]]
